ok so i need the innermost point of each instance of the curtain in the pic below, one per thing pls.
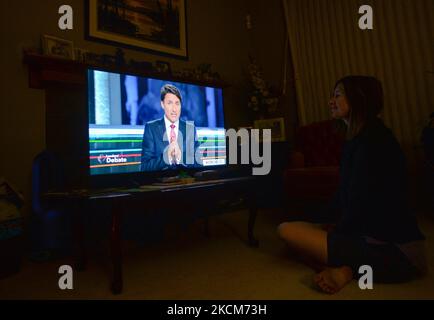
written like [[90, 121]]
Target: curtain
[[327, 44]]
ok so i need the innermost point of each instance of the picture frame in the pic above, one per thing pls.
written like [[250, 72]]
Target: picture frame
[[277, 126], [57, 47], [155, 26]]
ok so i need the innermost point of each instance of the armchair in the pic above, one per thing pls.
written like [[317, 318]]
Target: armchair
[[312, 173]]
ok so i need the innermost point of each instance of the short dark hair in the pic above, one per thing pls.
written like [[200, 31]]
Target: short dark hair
[[365, 98], [170, 88]]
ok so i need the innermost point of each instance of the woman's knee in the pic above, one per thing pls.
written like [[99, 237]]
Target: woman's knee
[[286, 229]]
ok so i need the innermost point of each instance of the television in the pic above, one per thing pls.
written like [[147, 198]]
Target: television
[[146, 126]]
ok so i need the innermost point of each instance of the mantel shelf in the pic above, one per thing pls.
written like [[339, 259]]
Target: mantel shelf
[[45, 70]]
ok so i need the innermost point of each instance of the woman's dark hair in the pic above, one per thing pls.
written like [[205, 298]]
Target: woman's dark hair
[[170, 88], [365, 98]]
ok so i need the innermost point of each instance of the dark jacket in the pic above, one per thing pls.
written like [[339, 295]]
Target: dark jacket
[[372, 195], [154, 146]]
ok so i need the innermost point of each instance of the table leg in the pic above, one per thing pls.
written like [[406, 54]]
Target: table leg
[[115, 249], [78, 235]]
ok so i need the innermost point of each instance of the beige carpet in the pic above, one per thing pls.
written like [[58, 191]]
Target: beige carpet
[[191, 266]]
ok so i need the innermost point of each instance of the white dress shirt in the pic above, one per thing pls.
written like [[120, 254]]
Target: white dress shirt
[[168, 123]]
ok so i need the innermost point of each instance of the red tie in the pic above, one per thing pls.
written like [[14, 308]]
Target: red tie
[[172, 133]]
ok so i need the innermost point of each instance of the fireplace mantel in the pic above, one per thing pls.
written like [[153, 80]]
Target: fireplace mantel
[[65, 85], [45, 70]]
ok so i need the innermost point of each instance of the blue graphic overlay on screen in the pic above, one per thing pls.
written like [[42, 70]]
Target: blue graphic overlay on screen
[[121, 106], [114, 149]]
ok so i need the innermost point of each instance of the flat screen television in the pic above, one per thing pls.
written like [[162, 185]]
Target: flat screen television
[[146, 126]]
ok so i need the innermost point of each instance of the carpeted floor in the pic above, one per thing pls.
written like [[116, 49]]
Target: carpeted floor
[[188, 265]]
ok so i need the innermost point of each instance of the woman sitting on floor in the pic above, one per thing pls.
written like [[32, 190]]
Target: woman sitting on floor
[[376, 227]]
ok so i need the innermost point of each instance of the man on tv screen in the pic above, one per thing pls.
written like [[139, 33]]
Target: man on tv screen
[[169, 142]]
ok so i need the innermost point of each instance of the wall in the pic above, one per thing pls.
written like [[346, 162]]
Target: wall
[[2, 90], [328, 45], [216, 35], [267, 44]]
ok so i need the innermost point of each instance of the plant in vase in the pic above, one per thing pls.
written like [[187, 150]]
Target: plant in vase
[[261, 99]]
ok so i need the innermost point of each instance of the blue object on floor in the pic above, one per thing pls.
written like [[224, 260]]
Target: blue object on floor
[[50, 226]]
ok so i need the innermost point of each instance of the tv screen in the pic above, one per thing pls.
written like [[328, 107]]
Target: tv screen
[[141, 124]]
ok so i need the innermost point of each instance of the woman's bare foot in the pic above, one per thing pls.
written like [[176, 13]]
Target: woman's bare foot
[[331, 280]]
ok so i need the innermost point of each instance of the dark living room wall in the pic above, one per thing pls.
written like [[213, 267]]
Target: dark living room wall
[[267, 45], [216, 34]]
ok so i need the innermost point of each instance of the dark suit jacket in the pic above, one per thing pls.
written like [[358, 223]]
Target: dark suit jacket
[[154, 146]]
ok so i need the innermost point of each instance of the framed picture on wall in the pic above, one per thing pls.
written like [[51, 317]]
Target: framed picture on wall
[[276, 125], [158, 26]]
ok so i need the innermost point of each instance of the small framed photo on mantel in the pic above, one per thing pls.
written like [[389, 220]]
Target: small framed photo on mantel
[[277, 127], [57, 47]]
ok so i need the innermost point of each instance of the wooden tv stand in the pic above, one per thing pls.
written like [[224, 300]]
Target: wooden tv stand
[[226, 194]]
